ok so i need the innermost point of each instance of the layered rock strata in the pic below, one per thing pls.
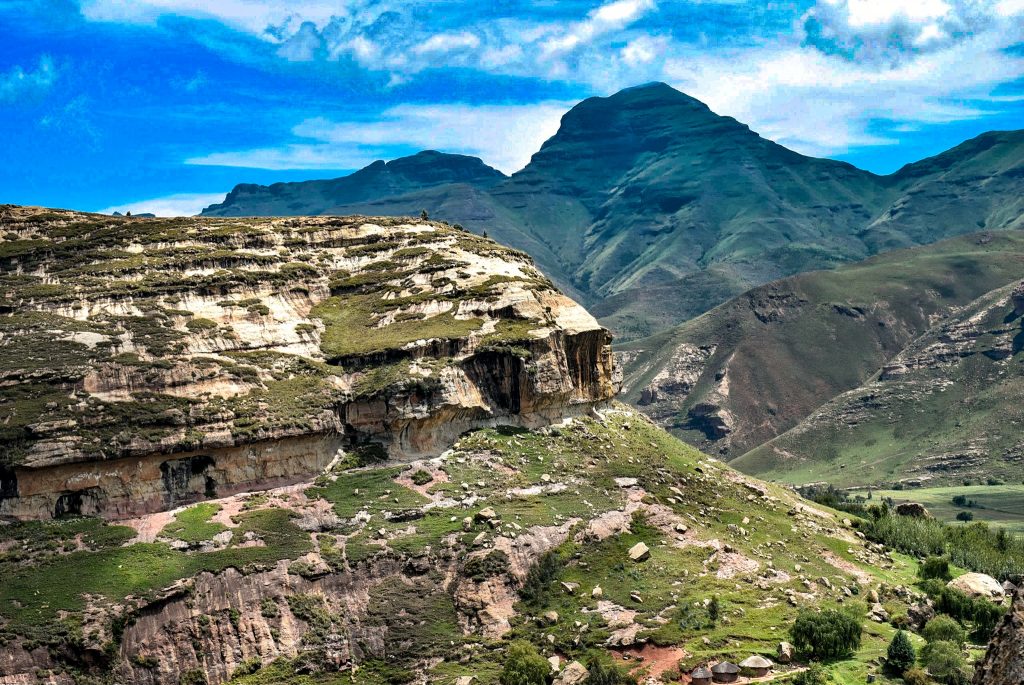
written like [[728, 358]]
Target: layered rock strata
[[146, 363]]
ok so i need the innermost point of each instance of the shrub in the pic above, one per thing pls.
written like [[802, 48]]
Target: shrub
[[195, 676], [944, 628], [247, 667], [901, 655], [965, 516], [942, 658], [916, 676], [492, 564], [601, 673], [814, 675], [422, 477], [826, 634], [539, 577], [714, 611], [524, 666], [986, 617], [935, 567]]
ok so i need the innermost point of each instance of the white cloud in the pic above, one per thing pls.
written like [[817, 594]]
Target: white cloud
[[20, 81], [447, 42], [610, 17], [824, 104], [504, 136], [180, 204], [853, 72]]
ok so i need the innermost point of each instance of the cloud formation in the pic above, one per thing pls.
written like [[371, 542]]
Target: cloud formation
[[21, 82], [845, 74], [503, 135], [179, 204]]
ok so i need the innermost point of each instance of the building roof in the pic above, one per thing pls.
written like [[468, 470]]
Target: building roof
[[756, 661], [700, 672], [725, 667]]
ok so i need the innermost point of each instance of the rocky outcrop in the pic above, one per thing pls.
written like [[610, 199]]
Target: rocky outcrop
[[1017, 298], [146, 363], [1003, 663]]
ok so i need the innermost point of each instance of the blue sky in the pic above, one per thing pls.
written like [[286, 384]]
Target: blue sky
[[164, 105]]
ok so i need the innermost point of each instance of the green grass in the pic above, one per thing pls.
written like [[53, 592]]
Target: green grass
[[193, 525], [351, 330], [31, 597], [1001, 505]]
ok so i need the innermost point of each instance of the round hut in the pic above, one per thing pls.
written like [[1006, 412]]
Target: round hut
[[700, 676], [757, 666], [725, 672]]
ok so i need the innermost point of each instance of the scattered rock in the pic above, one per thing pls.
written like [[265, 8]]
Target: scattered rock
[[597, 592], [574, 673], [639, 552], [784, 653], [571, 588]]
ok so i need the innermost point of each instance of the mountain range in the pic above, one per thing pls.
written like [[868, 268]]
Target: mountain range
[[651, 209]]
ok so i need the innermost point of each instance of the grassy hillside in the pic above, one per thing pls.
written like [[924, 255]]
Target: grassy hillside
[[768, 358], [999, 505], [946, 410], [568, 502]]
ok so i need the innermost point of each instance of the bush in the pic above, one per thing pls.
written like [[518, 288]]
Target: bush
[[901, 655], [422, 477], [942, 659], [539, 577], [935, 567], [944, 629], [814, 675], [247, 667], [524, 666], [827, 634], [601, 673], [916, 676], [986, 617], [965, 516]]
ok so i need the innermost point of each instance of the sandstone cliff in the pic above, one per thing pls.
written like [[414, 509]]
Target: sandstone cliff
[[150, 362]]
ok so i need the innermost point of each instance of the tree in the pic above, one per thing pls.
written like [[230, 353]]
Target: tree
[[424, 215], [944, 628], [714, 611], [826, 634], [935, 567], [600, 673], [901, 655], [965, 516], [942, 659], [986, 617], [524, 666]]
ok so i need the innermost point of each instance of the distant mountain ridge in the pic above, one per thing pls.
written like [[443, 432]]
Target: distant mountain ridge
[[651, 209]]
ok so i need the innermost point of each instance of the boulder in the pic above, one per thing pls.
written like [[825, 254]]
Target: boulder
[[978, 585], [639, 552], [597, 592], [784, 653], [574, 673], [914, 509]]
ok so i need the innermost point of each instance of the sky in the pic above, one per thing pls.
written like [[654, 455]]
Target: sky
[[165, 105]]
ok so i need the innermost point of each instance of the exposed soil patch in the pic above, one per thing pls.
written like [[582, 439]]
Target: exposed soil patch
[[652, 660]]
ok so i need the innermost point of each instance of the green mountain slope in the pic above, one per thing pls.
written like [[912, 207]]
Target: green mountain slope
[[652, 209], [754, 367], [946, 409], [427, 169]]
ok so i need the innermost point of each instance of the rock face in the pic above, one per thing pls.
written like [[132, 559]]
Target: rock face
[[1004, 662], [147, 363]]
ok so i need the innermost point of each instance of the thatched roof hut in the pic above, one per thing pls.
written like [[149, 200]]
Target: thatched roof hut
[[700, 676], [725, 672], [756, 665]]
